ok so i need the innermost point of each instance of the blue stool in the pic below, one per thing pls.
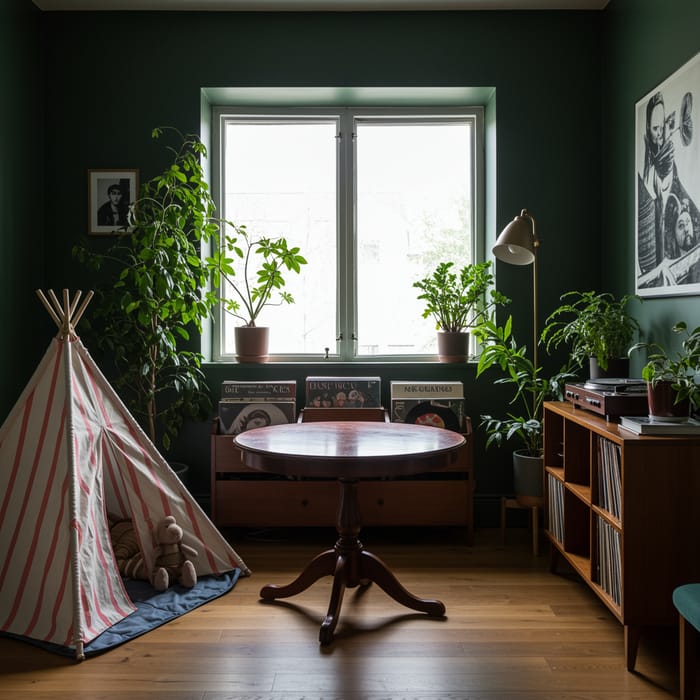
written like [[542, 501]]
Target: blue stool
[[686, 598]]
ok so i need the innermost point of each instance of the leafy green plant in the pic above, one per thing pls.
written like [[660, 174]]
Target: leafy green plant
[[531, 390], [253, 288], [152, 294], [681, 369], [459, 300], [592, 324]]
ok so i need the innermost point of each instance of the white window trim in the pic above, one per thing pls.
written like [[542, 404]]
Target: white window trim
[[346, 188]]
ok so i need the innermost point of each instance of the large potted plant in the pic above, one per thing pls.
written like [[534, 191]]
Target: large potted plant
[[673, 378], [458, 301], [151, 295], [597, 328], [256, 282], [530, 390]]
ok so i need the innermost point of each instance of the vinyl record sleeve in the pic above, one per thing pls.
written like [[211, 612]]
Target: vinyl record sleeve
[[447, 413]]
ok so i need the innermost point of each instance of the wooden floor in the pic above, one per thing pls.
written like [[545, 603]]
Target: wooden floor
[[512, 630]]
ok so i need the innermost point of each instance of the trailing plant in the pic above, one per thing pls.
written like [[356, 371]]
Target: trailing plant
[[531, 389], [592, 324], [260, 281], [681, 369], [152, 294], [459, 300]]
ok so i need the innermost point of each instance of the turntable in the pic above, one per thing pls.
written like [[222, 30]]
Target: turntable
[[610, 397]]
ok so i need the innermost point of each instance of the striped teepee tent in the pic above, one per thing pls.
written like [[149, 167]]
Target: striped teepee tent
[[71, 453]]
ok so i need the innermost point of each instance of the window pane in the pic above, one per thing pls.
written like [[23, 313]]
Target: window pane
[[279, 179], [414, 209]]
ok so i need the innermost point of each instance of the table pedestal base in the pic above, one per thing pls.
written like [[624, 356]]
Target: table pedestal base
[[350, 565]]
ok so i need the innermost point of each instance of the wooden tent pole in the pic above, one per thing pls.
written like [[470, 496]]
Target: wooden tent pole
[[48, 307], [82, 308], [65, 316]]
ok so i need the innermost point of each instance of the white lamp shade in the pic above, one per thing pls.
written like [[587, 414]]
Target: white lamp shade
[[516, 244]]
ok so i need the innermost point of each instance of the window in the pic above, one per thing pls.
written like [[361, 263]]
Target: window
[[374, 198]]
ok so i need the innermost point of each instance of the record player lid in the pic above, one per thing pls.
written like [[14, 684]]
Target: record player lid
[[618, 385]]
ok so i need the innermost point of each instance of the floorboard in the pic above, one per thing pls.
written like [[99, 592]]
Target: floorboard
[[512, 630]]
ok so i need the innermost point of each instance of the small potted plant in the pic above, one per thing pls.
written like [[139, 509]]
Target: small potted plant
[[673, 379], [458, 301], [597, 327], [248, 288], [531, 390], [151, 295]]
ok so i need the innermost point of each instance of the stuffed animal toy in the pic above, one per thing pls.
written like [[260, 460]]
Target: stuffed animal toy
[[173, 557], [125, 545]]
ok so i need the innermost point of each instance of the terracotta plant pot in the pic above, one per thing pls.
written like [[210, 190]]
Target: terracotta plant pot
[[662, 403], [452, 347], [252, 343]]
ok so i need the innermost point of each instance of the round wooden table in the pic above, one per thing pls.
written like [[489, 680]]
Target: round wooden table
[[349, 451]]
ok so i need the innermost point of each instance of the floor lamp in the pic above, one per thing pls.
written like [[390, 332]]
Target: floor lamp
[[517, 245]]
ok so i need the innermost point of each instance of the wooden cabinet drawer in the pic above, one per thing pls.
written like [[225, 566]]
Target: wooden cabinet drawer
[[414, 502], [276, 503], [315, 503]]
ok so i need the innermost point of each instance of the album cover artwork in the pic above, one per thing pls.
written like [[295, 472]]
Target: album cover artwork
[[439, 413], [238, 416]]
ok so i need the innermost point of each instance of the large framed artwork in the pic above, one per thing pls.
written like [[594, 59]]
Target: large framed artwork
[[110, 194], [667, 159]]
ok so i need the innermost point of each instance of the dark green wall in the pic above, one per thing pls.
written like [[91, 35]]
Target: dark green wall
[[21, 197], [123, 73], [647, 41], [566, 84]]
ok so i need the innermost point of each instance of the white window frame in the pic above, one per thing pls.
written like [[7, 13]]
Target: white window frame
[[346, 117]]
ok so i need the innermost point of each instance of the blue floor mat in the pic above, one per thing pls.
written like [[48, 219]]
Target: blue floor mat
[[153, 609]]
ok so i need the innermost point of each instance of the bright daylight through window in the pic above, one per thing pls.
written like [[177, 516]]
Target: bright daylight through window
[[374, 199]]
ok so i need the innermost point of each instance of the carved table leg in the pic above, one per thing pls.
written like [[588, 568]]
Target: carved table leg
[[321, 565], [376, 570], [330, 622], [351, 566]]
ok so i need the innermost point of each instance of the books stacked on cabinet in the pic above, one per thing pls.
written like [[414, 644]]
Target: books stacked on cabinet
[[343, 392], [643, 425], [254, 404], [439, 403]]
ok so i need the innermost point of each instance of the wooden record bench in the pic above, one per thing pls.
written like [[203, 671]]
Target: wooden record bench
[[242, 497]]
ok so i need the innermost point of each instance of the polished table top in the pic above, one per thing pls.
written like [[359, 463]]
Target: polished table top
[[348, 449]]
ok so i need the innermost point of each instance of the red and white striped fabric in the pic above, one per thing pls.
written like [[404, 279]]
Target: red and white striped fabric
[[70, 453]]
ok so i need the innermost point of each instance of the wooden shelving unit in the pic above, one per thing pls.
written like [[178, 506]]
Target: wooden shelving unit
[[242, 497], [632, 560]]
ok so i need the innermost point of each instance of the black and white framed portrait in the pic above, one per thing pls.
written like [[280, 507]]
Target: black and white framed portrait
[[667, 212], [110, 195]]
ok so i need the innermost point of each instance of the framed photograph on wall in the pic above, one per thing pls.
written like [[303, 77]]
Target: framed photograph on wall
[[667, 204], [110, 194]]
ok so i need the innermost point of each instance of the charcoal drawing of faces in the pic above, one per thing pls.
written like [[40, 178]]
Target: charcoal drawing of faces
[[679, 235]]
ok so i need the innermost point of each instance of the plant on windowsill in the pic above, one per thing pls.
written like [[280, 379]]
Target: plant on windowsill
[[458, 301], [523, 425], [151, 295], [673, 379], [258, 283], [597, 327]]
